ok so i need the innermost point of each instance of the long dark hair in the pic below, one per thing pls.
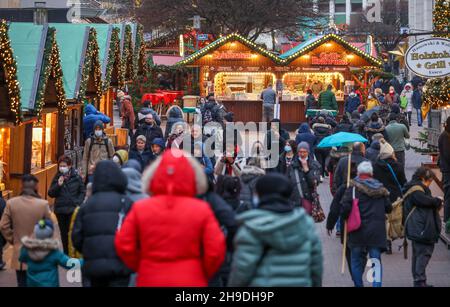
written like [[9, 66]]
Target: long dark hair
[[423, 174]]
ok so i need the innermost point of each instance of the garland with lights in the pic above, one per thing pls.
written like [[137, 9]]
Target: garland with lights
[[113, 59], [91, 60], [441, 18], [10, 72], [222, 41], [51, 68], [436, 92], [127, 56], [139, 52]]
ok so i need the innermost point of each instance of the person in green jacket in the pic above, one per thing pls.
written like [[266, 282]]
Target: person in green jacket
[[276, 245], [42, 255], [327, 99]]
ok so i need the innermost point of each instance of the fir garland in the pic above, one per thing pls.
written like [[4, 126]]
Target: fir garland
[[441, 18], [437, 92], [10, 71], [113, 58], [127, 56], [91, 61], [139, 52], [51, 67]]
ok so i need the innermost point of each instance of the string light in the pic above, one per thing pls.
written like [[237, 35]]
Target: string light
[[51, 68], [139, 52], [127, 56], [10, 71], [441, 18], [113, 59], [91, 61]]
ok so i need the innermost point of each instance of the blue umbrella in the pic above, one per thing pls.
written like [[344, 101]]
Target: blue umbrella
[[341, 139]]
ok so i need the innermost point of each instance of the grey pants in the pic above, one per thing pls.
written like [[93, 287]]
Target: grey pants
[[400, 155], [421, 256], [446, 183], [268, 113]]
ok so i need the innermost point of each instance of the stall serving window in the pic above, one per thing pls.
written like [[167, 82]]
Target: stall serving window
[[4, 156], [296, 85], [44, 141], [241, 86]]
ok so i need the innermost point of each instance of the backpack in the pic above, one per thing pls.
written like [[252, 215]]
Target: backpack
[[395, 224], [105, 143]]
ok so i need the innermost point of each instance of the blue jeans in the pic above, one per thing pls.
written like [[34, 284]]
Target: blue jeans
[[419, 117], [358, 265]]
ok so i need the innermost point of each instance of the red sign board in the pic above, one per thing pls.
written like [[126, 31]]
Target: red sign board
[[329, 58], [232, 55]]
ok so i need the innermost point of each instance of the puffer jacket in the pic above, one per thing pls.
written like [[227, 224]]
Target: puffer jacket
[[150, 133], [249, 177], [327, 101], [68, 196], [424, 224], [97, 221], [352, 103], [276, 249], [308, 181], [43, 258], [373, 206], [321, 131], [140, 119], [373, 152], [172, 239], [91, 116], [374, 128], [134, 187], [305, 135]]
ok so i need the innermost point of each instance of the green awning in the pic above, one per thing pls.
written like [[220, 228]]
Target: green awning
[[26, 40], [103, 33], [70, 38]]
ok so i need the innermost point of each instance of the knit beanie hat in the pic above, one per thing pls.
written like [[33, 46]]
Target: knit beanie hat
[[141, 138], [274, 183], [123, 156], [386, 150], [99, 124], [43, 229], [303, 145]]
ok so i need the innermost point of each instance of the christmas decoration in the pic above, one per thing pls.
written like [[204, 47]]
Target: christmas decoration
[[114, 60], [51, 68], [437, 92], [91, 61], [441, 18], [127, 55], [9, 66], [139, 64]]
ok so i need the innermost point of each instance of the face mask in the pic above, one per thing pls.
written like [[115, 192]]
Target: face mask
[[288, 149], [255, 201], [116, 160], [64, 170], [370, 97], [99, 133]]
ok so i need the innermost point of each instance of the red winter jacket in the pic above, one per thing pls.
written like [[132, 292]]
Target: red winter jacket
[[172, 239]]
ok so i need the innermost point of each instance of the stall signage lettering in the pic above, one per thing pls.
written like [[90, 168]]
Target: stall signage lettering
[[232, 56], [329, 58], [429, 58]]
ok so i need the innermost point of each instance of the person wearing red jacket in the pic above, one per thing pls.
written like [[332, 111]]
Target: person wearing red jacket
[[172, 239]]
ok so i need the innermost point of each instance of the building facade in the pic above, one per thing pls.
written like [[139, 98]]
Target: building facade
[[420, 18]]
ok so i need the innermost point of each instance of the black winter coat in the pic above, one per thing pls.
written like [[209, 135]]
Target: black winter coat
[[97, 221], [382, 173], [249, 177], [283, 167], [68, 196], [308, 181], [341, 171], [150, 133], [444, 151], [374, 204], [424, 224], [144, 158], [373, 152]]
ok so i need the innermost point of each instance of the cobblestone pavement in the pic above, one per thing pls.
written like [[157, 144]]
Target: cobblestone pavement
[[396, 270]]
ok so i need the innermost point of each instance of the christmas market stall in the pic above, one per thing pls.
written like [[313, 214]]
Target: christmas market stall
[[37, 142], [82, 73], [236, 70], [10, 111], [317, 63]]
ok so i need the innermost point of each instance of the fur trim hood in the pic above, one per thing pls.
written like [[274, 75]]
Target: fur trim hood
[[319, 125], [373, 192], [39, 249], [175, 173]]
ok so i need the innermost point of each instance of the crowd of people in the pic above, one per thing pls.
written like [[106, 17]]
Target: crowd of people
[[164, 212]]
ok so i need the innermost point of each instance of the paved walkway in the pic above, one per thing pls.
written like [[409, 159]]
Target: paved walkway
[[396, 271]]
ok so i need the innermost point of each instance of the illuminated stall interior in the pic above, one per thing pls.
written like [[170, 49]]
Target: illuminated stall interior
[[297, 84], [241, 86]]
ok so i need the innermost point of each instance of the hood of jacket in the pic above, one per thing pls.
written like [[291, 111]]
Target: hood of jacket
[[279, 231], [175, 112], [321, 129], [304, 128], [249, 172], [134, 180], [90, 110], [175, 173], [39, 249], [375, 146], [371, 187], [108, 177], [414, 182]]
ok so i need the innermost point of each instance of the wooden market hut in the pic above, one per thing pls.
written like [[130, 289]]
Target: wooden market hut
[[36, 143], [237, 70], [82, 72]]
